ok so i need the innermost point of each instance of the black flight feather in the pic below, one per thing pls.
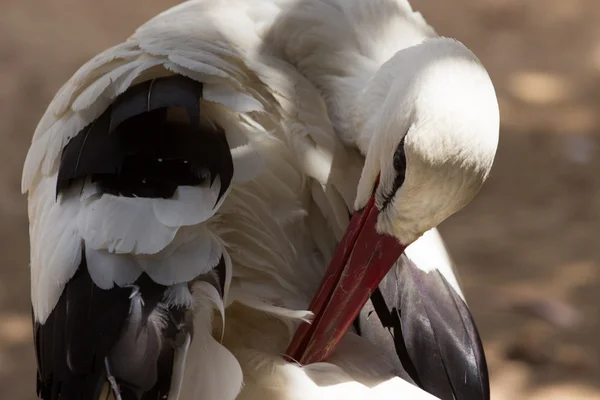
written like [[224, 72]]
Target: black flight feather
[[433, 316], [375, 323], [432, 332], [72, 343], [174, 91], [89, 326], [135, 149], [90, 152]]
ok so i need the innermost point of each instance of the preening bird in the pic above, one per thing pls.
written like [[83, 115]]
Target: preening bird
[[237, 169]]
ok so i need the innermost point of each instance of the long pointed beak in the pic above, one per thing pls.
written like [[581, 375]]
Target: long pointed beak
[[361, 261]]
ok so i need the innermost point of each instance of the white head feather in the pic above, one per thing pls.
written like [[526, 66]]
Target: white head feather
[[440, 100]]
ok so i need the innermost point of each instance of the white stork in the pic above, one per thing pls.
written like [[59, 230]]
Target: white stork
[[189, 186]]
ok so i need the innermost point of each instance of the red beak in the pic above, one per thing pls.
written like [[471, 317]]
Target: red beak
[[361, 261]]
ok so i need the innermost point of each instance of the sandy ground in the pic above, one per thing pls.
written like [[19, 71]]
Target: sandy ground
[[527, 247]]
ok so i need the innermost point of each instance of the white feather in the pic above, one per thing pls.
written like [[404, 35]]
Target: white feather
[[55, 245], [190, 205], [99, 65], [207, 58], [185, 262], [230, 98], [89, 189], [123, 225], [107, 269], [228, 276], [211, 371], [247, 162], [203, 68], [207, 292], [180, 295], [281, 312], [179, 368], [429, 252], [96, 89]]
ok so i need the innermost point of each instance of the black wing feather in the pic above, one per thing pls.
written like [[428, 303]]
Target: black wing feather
[[77, 336], [432, 331], [135, 149], [90, 152], [376, 324], [175, 91], [81, 334], [93, 321], [434, 317]]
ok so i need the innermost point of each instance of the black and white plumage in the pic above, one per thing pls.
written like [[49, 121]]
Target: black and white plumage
[[196, 167], [140, 147], [437, 344], [120, 315]]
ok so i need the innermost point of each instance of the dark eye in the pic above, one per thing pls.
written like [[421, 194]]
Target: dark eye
[[399, 163]]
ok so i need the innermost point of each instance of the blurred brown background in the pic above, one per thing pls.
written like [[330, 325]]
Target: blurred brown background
[[528, 247]]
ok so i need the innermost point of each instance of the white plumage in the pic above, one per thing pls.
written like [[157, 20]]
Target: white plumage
[[301, 89]]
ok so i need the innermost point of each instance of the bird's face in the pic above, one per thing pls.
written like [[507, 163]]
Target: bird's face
[[431, 149]]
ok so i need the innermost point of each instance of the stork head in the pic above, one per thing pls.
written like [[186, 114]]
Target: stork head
[[429, 132], [433, 142]]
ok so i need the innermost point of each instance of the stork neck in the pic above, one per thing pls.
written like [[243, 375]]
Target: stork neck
[[369, 111], [355, 100]]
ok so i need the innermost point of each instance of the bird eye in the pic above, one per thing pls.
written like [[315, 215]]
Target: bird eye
[[400, 159], [399, 164]]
